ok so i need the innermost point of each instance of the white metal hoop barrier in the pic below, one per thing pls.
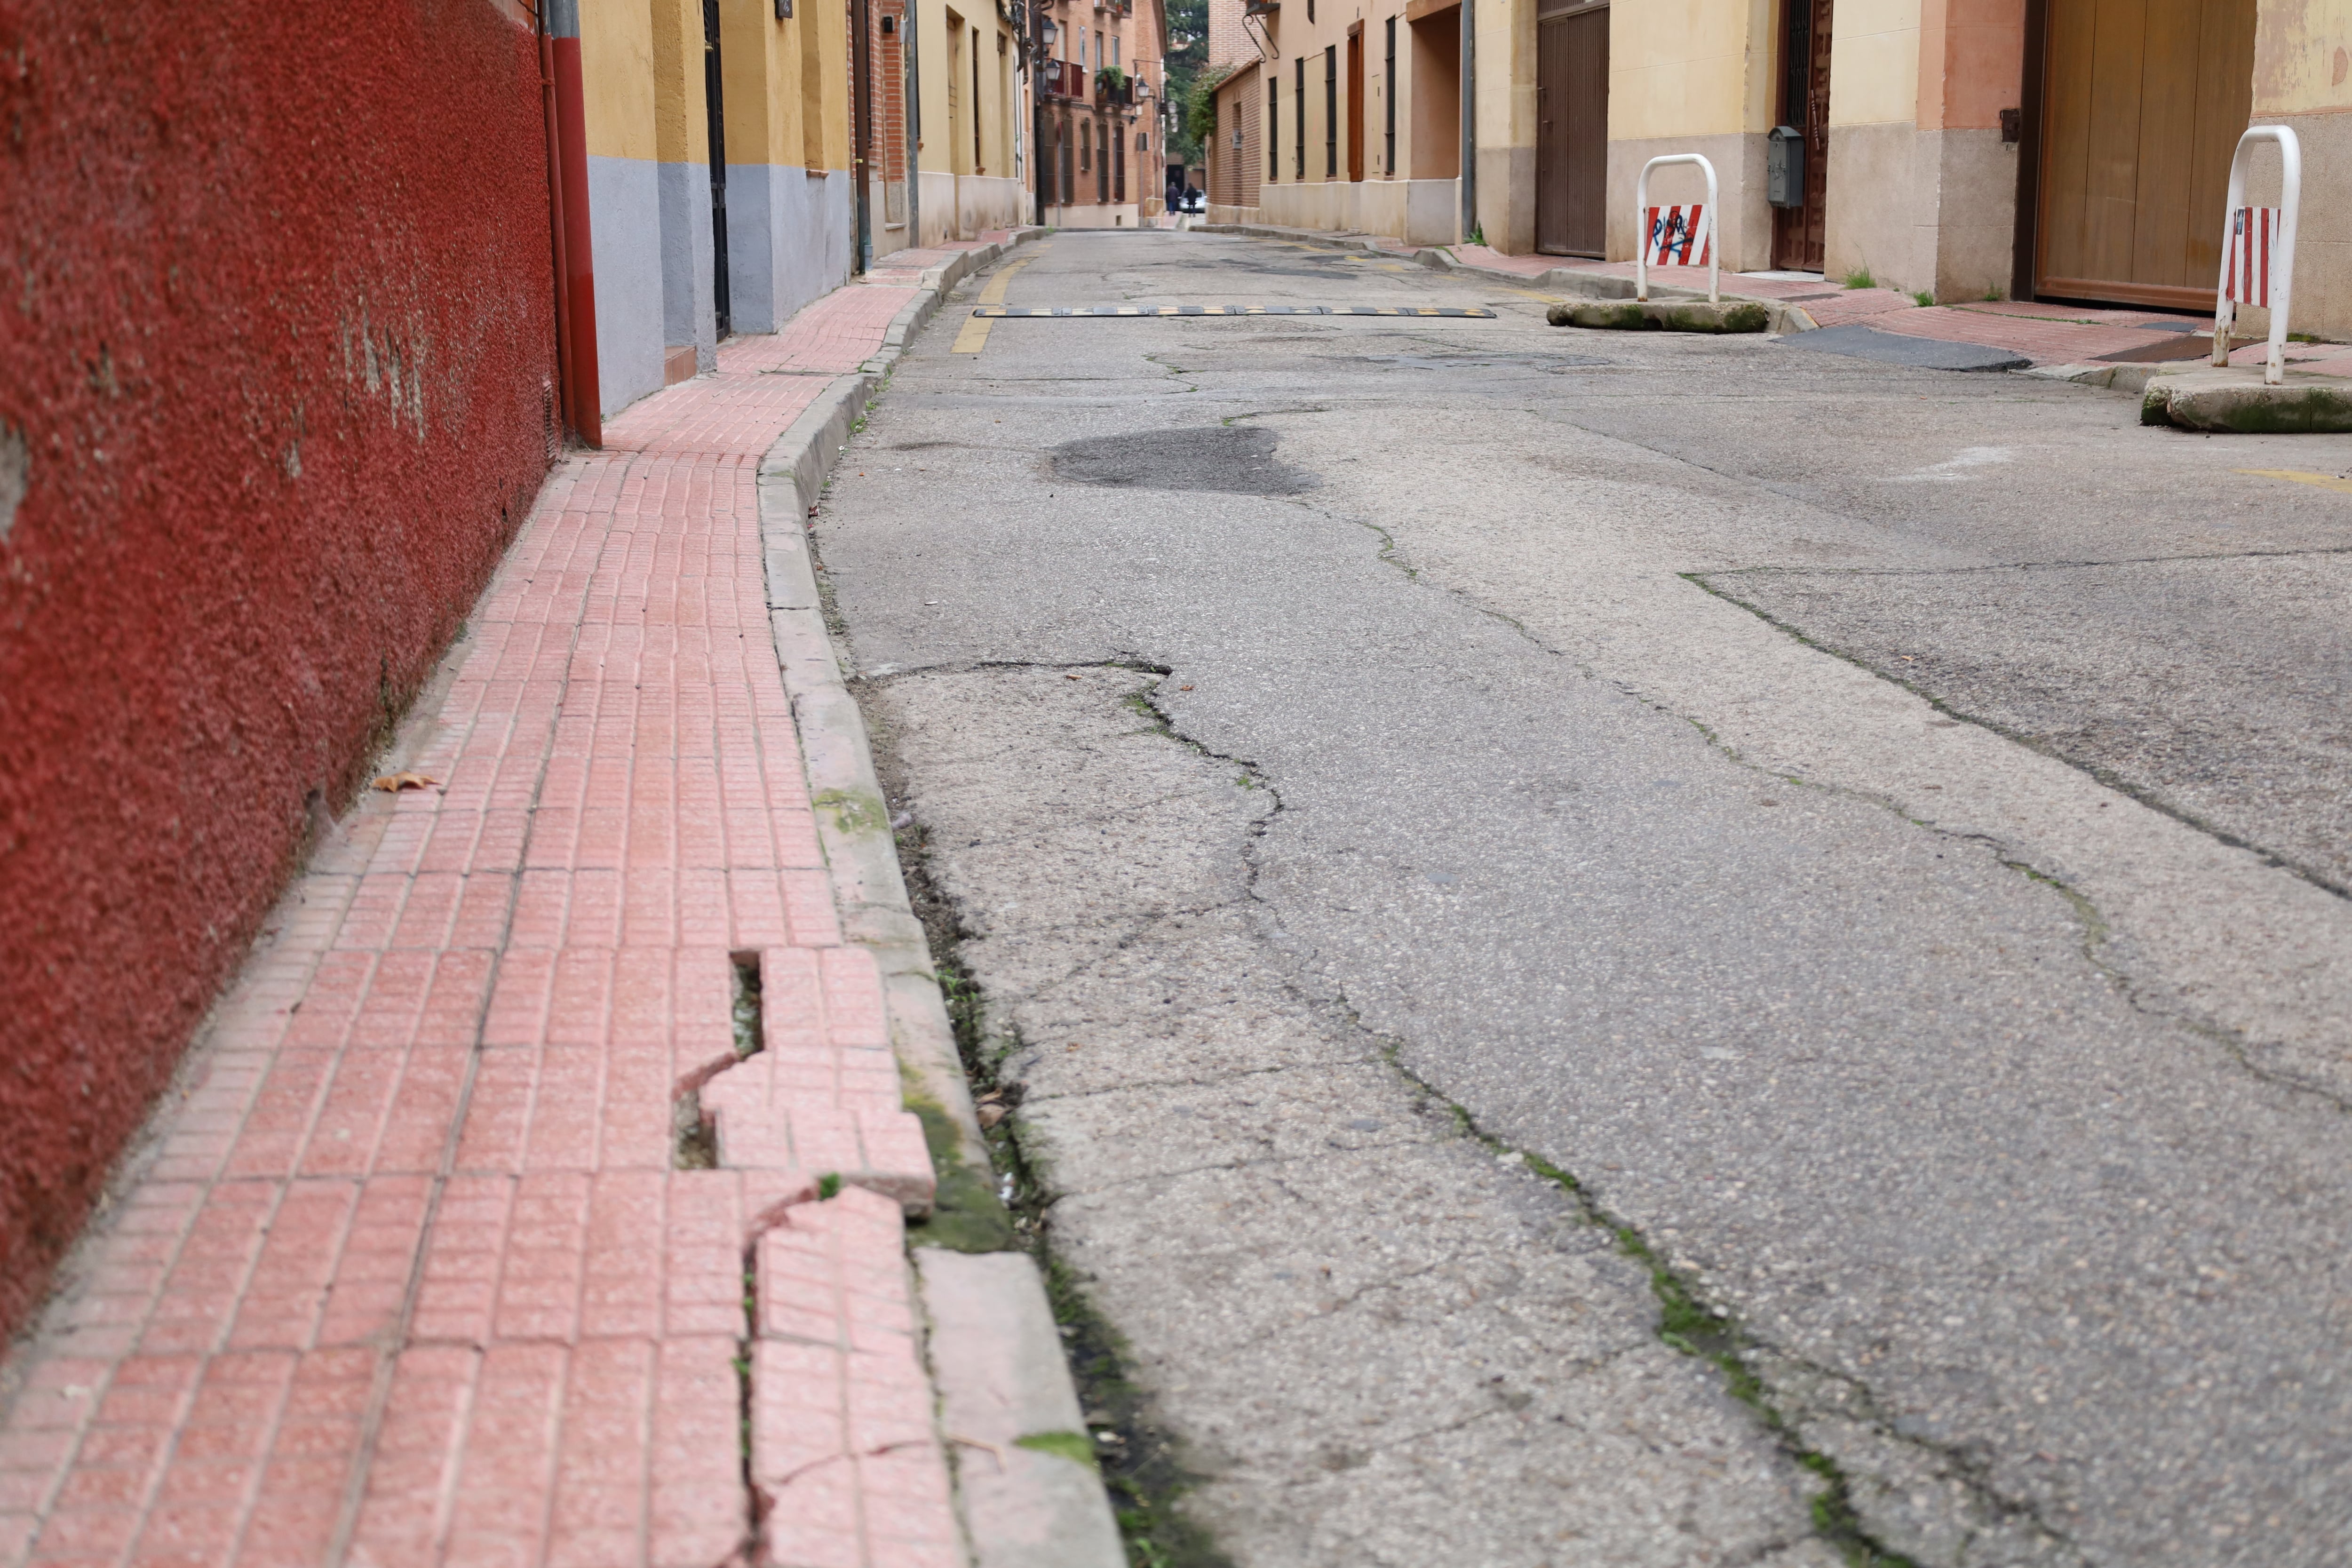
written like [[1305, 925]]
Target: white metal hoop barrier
[[1676, 237], [2258, 250]]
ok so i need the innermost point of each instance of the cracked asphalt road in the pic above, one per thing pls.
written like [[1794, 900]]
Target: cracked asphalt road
[[1878, 831]]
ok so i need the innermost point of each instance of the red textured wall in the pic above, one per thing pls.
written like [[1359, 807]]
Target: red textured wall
[[275, 336]]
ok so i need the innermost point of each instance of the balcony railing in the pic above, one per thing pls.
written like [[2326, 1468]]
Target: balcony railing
[[1061, 78], [1122, 95]]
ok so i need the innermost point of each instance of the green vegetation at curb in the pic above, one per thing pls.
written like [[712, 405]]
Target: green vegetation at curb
[[1687, 1324], [2245, 409], [852, 810], [966, 1215], [1074, 1447], [1140, 1470], [1860, 277]]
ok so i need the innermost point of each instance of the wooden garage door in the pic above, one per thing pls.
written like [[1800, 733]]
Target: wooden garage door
[[2142, 102]]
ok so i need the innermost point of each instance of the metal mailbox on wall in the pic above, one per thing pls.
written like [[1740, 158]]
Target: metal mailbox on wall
[[1784, 166]]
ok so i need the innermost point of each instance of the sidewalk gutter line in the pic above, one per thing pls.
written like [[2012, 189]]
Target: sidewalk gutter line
[[1049, 1511]]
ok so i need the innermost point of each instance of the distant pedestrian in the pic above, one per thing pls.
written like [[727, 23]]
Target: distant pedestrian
[[1175, 194]]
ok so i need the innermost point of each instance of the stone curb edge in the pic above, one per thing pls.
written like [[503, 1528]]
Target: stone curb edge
[[1022, 1508], [1784, 318]]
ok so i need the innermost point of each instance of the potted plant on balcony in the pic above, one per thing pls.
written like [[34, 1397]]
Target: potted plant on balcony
[[1111, 84]]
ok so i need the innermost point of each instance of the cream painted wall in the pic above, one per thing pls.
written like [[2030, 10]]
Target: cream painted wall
[[2303, 56], [1688, 67], [1874, 64], [616, 71]]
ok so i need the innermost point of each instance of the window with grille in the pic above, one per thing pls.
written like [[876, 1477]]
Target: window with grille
[[1273, 128], [1331, 112]]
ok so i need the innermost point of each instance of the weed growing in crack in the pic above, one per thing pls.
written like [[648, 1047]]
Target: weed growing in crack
[[1687, 1324]]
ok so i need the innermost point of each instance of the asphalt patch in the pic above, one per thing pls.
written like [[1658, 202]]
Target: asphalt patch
[[1235, 459], [1893, 348]]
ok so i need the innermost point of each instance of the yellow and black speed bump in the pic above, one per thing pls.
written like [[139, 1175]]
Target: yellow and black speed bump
[[993, 311]]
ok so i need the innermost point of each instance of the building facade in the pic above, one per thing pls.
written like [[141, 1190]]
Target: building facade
[[2054, 148], [971, 122], [1102, 140], [728, 140]]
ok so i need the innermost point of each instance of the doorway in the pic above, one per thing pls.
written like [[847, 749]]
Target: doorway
[[1356, 101], [717, 127], [2142, 105], [1572, 128], [1800, 233], [1436, 90]]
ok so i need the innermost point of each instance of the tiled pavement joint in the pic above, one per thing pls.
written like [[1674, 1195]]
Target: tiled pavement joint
[[993, 1345]]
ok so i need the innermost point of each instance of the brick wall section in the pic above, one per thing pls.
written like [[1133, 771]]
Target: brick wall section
[[1229, 42], [1234, 171], [274, 359]]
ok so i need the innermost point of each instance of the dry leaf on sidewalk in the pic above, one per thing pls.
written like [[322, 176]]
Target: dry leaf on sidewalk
[[393, 783]]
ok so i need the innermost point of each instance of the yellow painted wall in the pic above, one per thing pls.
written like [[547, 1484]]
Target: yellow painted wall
[[1690, 68], [2303, 56], [681, 121], [947, 55], [787, 83], [1874, 62], [616, 78]]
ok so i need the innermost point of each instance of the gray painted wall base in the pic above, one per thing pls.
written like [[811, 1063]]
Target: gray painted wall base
[[626, 226]]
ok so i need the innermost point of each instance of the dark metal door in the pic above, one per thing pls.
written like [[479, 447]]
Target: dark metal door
[[1800, 234], [1572, 133], [710, 95]]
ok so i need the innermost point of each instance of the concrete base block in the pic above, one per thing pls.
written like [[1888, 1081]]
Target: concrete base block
[[1672, 315], [2235, 401]]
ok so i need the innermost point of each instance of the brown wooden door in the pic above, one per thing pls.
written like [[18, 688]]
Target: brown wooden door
[[2142, 102], [1356, 101], [1800, 233], [1572, 132]]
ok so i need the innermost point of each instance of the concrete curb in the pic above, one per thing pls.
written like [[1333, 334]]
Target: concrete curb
[[988, 1312], [1780, 318]]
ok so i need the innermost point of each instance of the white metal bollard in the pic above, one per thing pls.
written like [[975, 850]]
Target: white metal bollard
[[2258, 266], [1643, 237]]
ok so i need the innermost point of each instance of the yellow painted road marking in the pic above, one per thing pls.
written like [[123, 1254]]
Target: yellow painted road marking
[[974, 336], [2324, 481], [994, 293]]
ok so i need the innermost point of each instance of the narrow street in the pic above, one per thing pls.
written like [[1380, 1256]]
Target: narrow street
[[1627, 948]]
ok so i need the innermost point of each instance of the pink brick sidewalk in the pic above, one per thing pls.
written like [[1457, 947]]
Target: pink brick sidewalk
[[410, 1274]]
